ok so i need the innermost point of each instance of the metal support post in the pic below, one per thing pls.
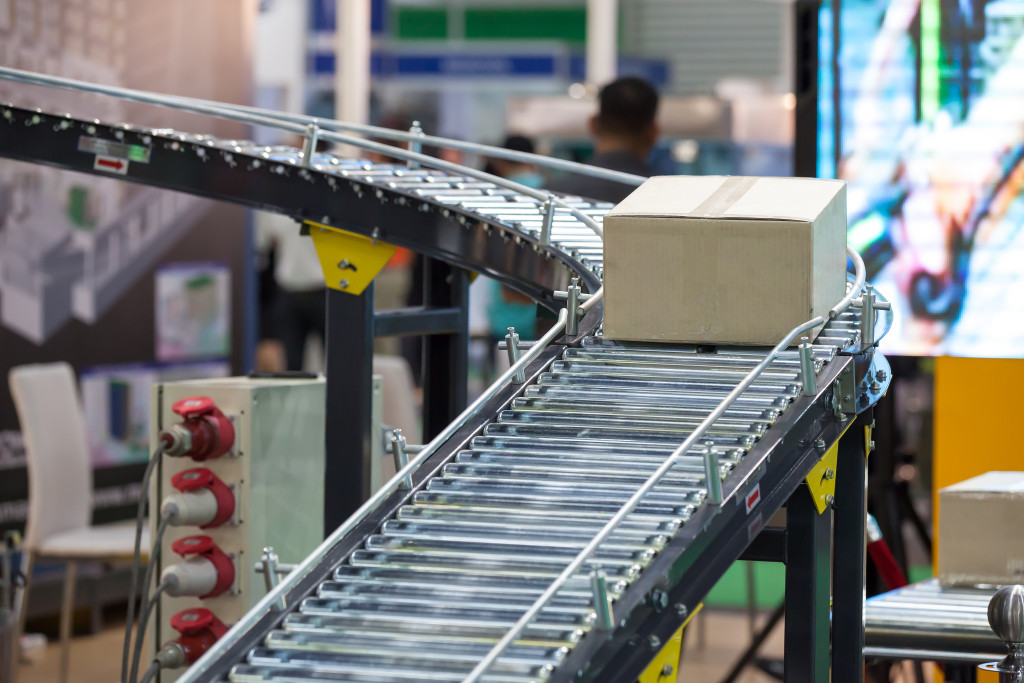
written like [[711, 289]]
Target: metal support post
[[849, 555], [807, 590], [309, 144], [604, 619], [445, 356], [807, 376], [401, 456], [415, 145], [712, 476], [349, 374], [549, 219], [512, 347]]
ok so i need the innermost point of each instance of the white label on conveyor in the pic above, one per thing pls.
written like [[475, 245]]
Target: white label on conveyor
[[110, 148]]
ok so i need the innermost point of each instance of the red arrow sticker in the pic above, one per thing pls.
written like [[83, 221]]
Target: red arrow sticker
[[111, 165], [753, 498]]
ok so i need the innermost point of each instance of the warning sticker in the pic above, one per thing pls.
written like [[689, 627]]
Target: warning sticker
[[109, 148], [753, 498], [111, 165]]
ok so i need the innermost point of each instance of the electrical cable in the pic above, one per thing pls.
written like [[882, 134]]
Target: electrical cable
[[140, 630], [136, 555], [152, 671]]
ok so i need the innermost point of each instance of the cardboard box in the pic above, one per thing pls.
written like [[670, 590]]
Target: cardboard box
[[981, 539], [723, 260]]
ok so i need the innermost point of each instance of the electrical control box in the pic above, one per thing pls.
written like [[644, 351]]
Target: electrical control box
[[243, 469]]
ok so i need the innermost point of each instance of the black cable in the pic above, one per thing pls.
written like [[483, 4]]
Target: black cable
[[140, 630], [136, 559], [152, 671]]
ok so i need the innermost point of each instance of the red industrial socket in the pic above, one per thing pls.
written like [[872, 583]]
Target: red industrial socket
[[204, 432], [199, 478], [204, 547], [199, 629]]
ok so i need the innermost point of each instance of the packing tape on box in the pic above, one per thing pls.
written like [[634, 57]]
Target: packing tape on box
[[725, 196]]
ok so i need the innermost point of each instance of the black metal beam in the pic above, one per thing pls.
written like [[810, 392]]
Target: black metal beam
[[445, 232], [807, 590], [413, 321], [349, 376], [445, 356], [849, 553], [768, 546]]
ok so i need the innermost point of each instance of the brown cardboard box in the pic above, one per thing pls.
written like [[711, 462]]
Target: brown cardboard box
[[723, 260], [981, 538]]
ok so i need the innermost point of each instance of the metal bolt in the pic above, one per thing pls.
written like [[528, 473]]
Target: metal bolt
[[875, 387], [654, 642], [819, 444], [871, 445], [829, 474], [666, 670], [658, 599], [343, 284], [680, 610], [829, 499], [881, 375]]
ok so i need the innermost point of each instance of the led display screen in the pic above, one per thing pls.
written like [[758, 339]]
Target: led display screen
[[921, 110]]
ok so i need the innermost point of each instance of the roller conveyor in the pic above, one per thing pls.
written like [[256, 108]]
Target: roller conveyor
[[431, 582]]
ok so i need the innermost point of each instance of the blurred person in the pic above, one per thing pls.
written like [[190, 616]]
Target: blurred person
[[299, 304], [517, 171], [625, 131], [507, 307]]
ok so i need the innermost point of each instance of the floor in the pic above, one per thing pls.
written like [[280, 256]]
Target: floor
[[725, 634]]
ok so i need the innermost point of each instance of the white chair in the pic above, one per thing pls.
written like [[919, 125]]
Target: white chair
[[60, 487]]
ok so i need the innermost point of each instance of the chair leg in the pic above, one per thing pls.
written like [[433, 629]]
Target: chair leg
[[67, 614], [21, 607]]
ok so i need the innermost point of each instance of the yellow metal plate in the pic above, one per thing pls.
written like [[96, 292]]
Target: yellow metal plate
[[821, 480], [349, 261], [662, 668]]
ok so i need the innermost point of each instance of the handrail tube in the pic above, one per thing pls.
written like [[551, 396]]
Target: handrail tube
[[448, 143], [335, 124], [220, 111], [517, 629], [307, 565], [860, 275]]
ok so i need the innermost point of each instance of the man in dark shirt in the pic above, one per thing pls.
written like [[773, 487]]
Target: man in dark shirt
[[624, 131]]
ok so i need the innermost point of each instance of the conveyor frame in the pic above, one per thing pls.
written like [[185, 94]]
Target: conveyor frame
[[652, 607]]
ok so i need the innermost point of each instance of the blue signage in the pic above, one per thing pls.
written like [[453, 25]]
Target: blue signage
[[471, 65]]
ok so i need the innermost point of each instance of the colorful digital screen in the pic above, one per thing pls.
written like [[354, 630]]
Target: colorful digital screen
[[921, 110]]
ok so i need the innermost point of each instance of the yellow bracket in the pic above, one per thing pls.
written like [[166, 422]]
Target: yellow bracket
[[662, 668], [821, 480], [349, 261]]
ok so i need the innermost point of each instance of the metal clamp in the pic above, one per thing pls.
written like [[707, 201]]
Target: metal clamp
[[605, 620], [712, 476], [573, 298], [512, 347], [270, 568], [549, 219], [869, 304], [808, 377], [398, 449], [309, 144], [415, 146]]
